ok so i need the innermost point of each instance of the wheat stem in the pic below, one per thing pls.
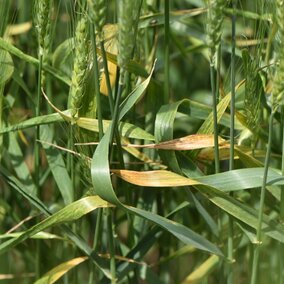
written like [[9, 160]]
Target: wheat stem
[[261, 206], [167, 52], [230, 278]]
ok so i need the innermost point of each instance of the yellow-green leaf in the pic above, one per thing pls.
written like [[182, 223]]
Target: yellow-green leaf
[[57, 272]]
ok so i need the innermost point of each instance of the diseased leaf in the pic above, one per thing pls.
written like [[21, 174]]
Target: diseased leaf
[[214, 187], [228, 181], [160, 178], [190, 142]]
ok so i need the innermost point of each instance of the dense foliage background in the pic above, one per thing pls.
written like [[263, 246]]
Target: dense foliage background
[[141, 141]]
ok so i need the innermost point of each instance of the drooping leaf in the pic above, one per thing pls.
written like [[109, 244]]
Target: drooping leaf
[[161, 178], [228, 181], [69, 213], [76, 239], [35, 121], [202, 270], [215, 188], [57, 272], [125, 129], [103, 186], [144, 245]]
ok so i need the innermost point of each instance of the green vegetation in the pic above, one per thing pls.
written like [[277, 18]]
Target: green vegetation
[[141, 141]]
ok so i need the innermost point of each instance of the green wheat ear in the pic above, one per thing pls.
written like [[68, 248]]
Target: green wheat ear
[[80, 66], [42, 23], [215, 19], [253, 90], [42, 18], [278, 82], [128, 14], [98, 10]]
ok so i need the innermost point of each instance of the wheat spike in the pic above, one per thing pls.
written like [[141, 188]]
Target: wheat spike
[[127, 22], [80, 66], [42, 13], [98, 10], [278, 84], [214, 24]]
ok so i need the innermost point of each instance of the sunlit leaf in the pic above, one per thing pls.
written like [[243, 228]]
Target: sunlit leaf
[[202, 270], [228, 181], [190, 142], [160, 178], [57, 272]]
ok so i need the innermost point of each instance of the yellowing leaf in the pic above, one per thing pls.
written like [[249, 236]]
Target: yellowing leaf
[[17, 29], [57, 272], [202, 271], [110, 45], [190, 142], [154, 178], [140, 155]]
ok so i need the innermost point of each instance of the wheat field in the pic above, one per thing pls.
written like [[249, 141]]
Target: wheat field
[[141, 141]]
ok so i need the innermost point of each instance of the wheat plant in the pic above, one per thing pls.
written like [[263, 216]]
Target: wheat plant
[[141, 141]]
